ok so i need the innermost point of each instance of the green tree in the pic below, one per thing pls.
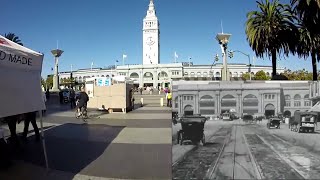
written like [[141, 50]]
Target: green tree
[[245, 76], [271, 30], [298, 75], [12, 37], [43, 82], [49, 81], [261, 75]]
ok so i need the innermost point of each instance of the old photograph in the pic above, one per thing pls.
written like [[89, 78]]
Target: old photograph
[[245, 130]]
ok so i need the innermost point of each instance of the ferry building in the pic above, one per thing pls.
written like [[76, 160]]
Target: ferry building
[[251, 97], [152, 73]]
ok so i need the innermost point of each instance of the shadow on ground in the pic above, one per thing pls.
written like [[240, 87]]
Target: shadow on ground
[[71, 147]]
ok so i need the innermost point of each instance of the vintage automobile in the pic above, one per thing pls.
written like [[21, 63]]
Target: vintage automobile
[[273, 122], [303, 121], [192, 129], [248, 118], [226, 116]]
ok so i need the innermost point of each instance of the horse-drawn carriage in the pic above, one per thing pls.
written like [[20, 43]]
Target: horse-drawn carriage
[[248, 118], [192, 129], [274, 122], [303, 121]]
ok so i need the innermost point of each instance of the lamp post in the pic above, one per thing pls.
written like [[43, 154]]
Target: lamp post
[[56, 53], [71, 76], [223, 40], [248, 59]]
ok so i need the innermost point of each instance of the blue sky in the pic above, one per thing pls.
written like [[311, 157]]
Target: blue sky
[[101, 31]]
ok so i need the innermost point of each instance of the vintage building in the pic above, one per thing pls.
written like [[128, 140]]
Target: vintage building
[[252, 97]]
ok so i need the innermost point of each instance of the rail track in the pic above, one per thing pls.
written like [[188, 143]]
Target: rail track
[[195, 164], [218, 159]]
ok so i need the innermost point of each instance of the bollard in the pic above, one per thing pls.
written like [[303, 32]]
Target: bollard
[[161, 102], [141, 101]]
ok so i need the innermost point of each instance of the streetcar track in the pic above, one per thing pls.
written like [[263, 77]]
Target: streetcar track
[[256, 174], [270, 159], [187, 167], [212, 170], [258, 171]]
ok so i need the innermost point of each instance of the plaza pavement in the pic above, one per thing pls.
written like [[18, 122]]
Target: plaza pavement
[[136, 145]]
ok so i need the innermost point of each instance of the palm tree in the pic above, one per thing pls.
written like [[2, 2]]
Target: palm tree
[[12, 37], [308, 13], [270, 30], [309, 44]]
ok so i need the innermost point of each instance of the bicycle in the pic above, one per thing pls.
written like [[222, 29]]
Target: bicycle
[[83, 113]]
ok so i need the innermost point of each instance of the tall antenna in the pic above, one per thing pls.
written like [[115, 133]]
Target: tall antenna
[[221, 27]]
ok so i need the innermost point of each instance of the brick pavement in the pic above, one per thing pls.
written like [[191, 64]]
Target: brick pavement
[[136, 145]]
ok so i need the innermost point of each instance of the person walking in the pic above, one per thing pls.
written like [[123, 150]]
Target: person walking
[[44, 97], [61, 97], [12, 124], [83, 99], [31, 117], [169, 99], [72, 97], [5, 160], [140, 90], [47, 94]]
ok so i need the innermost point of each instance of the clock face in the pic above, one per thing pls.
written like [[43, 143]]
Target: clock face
[[150, 41]]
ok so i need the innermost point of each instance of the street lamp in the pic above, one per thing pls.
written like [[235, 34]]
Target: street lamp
[[223, 40], [56, 53], [231, 55]]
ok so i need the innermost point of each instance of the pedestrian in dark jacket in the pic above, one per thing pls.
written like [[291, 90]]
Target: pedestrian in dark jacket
[[72, 98], [61, 97], [12, 123], [31, 117]]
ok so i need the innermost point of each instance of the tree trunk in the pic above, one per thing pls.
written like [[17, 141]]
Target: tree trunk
[[274, 62], [314, 66]]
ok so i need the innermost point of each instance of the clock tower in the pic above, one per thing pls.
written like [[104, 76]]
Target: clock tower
[[151, 36]]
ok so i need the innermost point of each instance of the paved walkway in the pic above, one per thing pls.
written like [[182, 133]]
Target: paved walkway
[[136, 145]]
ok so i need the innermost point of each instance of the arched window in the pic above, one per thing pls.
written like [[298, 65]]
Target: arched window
[[297, 100], [207, 104], [287, 100], [307, 100], [250, 104]]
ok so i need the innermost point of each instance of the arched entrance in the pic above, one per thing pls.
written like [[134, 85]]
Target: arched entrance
[[163, 78], [287, 113], [188, 110], [134, 75], [148, 78], [228, 102], [269, 110], [250, 104]]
